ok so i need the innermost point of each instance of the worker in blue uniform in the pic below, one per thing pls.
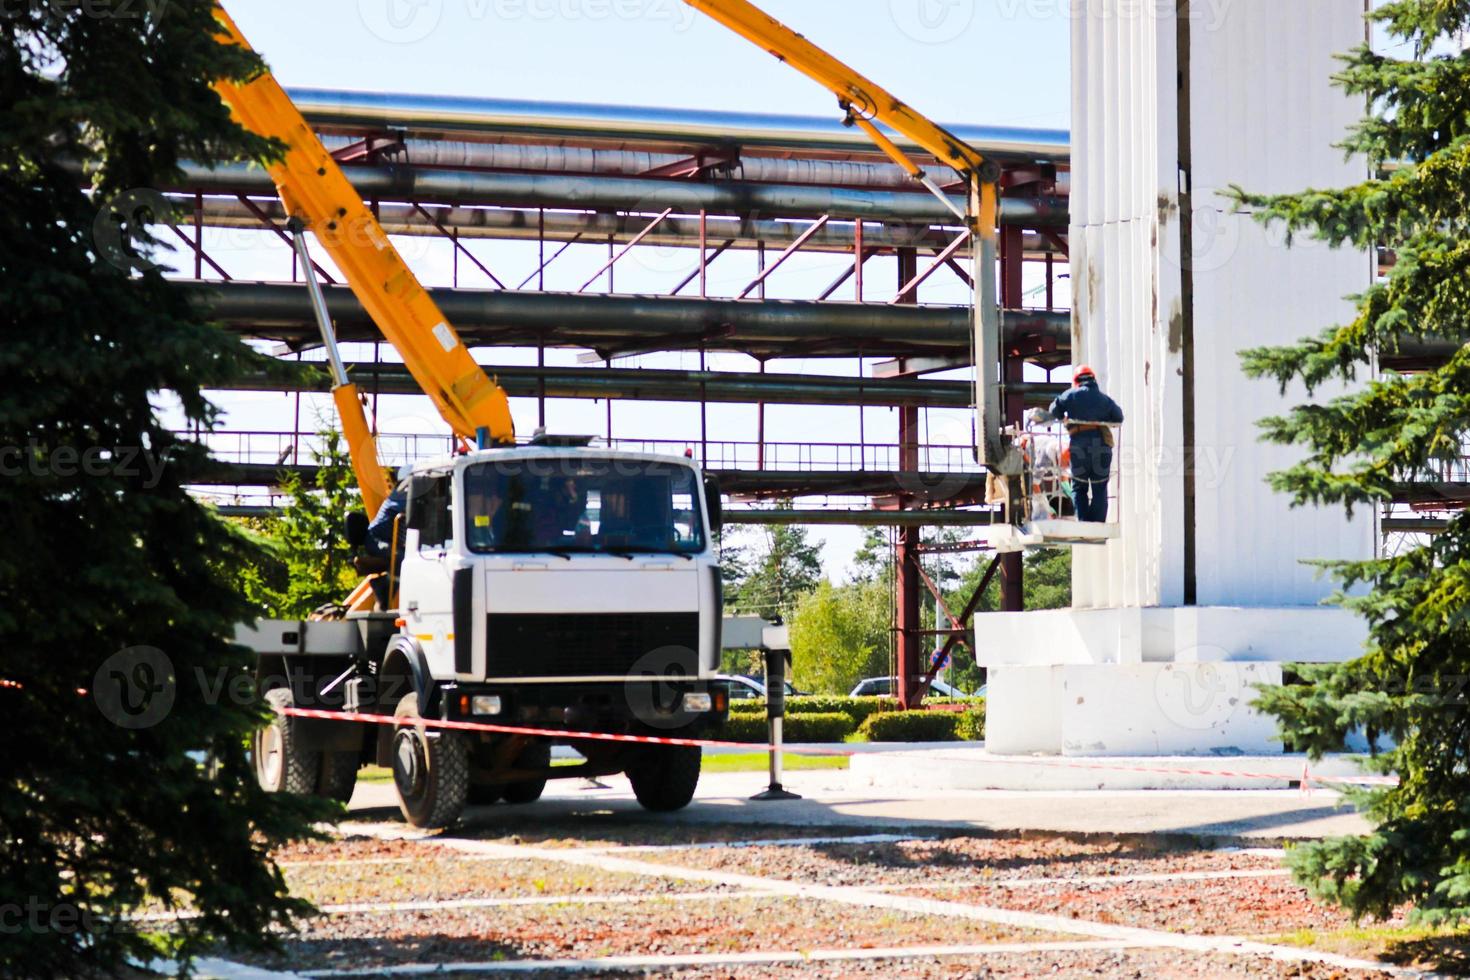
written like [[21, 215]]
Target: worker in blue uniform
[[1088, 413]]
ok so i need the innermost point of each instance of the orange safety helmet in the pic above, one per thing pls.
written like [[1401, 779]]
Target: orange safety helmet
[[1083, 371]]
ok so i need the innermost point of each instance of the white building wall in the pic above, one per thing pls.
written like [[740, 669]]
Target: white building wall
[[1264, 115], [1124, 196]]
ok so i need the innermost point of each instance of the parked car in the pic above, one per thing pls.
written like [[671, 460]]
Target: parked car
[[745, 688], [883, 687]]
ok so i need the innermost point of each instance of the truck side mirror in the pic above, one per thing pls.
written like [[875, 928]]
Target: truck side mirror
[[420, 502], [713, 503], [356, 528]]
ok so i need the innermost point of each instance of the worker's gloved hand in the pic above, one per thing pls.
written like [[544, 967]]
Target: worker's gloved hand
[[1040, 416]]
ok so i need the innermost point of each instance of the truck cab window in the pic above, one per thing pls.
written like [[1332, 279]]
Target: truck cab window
[[430, 511], [582, 505]]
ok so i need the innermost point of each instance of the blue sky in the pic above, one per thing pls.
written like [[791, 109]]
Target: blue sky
[[981, 61]]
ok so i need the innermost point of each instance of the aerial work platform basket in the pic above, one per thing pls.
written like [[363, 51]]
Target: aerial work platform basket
[[1047, 514]]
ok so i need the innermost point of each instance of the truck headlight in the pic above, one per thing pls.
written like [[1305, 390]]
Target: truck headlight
[[698, 703], [485, 704]]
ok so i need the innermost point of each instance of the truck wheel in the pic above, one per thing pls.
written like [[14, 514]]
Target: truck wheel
[[664, 778], [431, 770], [534, 756], [281, 766], [338, 776]]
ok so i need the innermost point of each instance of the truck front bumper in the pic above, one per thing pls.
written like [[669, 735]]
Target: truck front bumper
[[629, 708]]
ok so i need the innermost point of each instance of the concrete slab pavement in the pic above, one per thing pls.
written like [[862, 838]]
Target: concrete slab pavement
[[829, 801]]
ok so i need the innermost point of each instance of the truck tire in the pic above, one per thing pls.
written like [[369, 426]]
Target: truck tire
[[431, 770], [534, 756], [281, 765], [664, 777], [338, 776]]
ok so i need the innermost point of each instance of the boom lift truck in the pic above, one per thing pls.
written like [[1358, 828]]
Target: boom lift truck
[[554, 585], [1022, 489], [551, 586]]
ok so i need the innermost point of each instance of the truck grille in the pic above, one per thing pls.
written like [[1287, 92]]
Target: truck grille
[[591, 644]]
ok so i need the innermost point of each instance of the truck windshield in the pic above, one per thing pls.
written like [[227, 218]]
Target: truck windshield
[[573, 504]]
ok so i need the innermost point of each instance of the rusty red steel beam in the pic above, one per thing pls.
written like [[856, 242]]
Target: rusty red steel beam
[[199, 252], [270, 223], [934, 590], [708, 260], [791, 250], [848, 273], [960, 240], [954, 638], [632, 243], [542, 267], [695, 165], [458, 246]]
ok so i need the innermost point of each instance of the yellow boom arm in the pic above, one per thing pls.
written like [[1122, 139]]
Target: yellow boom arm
[[317, 193], [866, 104]]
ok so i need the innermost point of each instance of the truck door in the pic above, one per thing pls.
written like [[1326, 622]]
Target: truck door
[[426, 593]]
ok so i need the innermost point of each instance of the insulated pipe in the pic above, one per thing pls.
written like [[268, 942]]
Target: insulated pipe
[[797, 516], [671, 385], [642, 194], [459, 155], [600, 226], [647, 322], [641, 126]]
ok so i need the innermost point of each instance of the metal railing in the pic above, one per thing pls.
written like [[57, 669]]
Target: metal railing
[[286, 449], [1047, 489]]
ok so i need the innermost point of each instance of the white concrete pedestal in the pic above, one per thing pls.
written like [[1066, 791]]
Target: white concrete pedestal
[[1155, 681]]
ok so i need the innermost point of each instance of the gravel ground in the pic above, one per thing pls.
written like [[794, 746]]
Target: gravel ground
[[1254, 907], [440, 879], [1133, 964], [968, 859], [968, 868], [652, 928]]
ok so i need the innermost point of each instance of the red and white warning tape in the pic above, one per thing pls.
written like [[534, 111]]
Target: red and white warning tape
[[1305, 779]]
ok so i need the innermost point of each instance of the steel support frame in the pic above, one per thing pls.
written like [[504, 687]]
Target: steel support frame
[[459, 249], [1012, 259], [908, 627], [957, 635], [760, 280]]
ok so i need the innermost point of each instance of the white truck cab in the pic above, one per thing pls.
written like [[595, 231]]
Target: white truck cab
[[559, 588]]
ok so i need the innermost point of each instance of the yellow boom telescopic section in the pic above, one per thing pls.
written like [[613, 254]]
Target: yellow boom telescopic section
[[867, 104], [315, 191]]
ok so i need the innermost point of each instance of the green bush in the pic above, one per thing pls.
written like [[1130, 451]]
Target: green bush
[[916, 726], [858, 709], [971, 726], [830, 726]]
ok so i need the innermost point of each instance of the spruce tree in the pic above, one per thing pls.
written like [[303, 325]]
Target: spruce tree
[[116, 610], [1408, 688], [306, 562]]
